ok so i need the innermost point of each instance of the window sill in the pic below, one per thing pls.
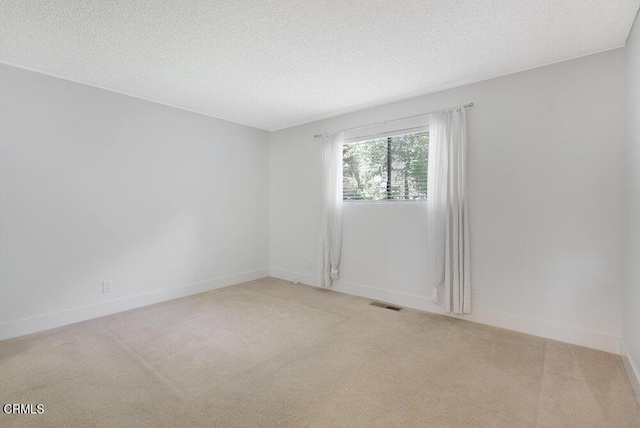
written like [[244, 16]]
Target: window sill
[[384, 202]]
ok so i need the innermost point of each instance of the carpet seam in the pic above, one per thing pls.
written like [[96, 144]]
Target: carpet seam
[[141, 361]]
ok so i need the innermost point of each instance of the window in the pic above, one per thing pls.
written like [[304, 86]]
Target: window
[[386, 168]]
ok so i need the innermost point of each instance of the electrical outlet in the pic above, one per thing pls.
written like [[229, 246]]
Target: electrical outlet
[[474, 292], [106, 287]]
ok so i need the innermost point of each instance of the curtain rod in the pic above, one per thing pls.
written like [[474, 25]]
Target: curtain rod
[[392, 120]]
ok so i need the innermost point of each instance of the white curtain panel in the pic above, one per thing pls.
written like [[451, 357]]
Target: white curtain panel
[[331, 210], [448, 225]]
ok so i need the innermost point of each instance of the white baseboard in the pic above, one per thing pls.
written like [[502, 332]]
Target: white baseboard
[[591, 339], [562, 333], [293, 276], [58, 319], [631, 368]]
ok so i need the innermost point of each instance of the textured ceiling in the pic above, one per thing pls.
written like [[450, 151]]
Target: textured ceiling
[[273, 64]]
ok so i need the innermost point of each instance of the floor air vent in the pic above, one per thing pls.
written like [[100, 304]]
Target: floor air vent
[[384, 305]]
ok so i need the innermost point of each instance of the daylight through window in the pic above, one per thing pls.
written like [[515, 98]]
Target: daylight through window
[[386, 168]]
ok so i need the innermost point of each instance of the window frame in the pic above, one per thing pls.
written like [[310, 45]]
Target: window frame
[[382, 135]]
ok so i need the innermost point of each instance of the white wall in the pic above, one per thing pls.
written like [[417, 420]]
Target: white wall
[[631, 289], [100, 186], [546, 151]]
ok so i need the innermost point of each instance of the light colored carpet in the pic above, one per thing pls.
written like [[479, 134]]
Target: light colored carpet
[[270, 353]]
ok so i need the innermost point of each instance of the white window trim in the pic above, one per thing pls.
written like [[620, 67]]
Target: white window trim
[[381, 135]]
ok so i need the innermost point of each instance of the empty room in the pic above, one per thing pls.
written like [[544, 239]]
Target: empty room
[[316, 213]]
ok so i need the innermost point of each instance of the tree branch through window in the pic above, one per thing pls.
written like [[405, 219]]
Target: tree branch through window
[[391, 168]]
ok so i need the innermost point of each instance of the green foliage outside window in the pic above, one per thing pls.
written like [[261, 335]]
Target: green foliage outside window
[[393, 168]]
